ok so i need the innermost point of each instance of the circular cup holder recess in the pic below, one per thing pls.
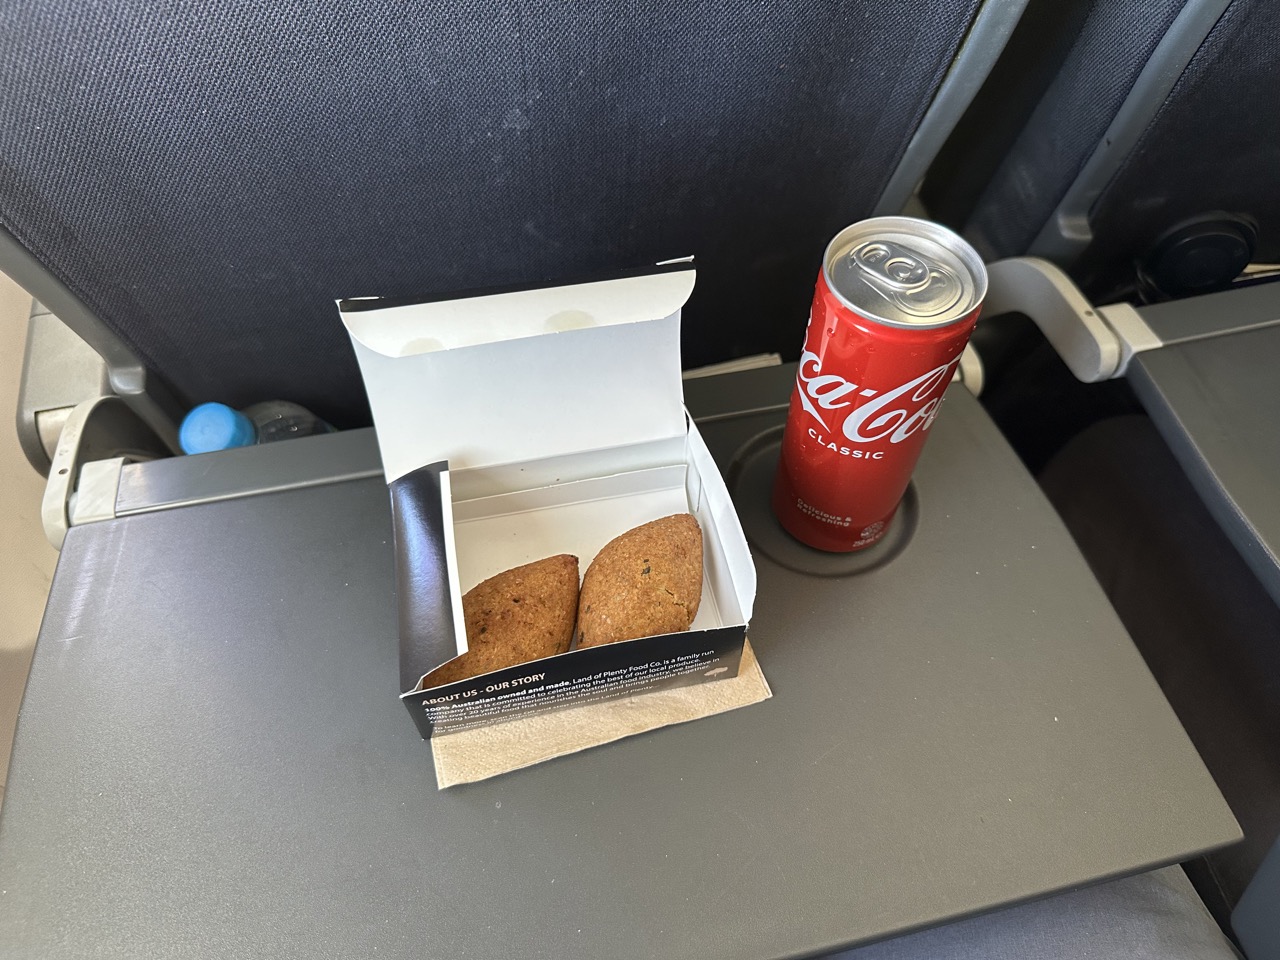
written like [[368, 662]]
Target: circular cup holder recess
[[750, 481]]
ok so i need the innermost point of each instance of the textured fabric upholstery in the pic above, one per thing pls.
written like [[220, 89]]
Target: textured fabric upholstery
[[210, 176], [1211, 147], [1208, 149], [1113, 45]]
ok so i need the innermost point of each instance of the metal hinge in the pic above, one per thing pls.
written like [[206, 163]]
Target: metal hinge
[[100, 436], [1096, 343]]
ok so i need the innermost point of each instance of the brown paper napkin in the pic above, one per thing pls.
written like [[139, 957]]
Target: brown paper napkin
[[471, 755]]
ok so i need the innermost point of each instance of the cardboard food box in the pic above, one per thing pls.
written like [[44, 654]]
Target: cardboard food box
[[519, 425]]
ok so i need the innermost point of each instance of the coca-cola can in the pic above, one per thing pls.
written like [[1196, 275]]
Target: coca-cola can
[[896, 301]]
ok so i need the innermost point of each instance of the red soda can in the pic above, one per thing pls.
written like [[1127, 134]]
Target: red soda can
[[896, 301]]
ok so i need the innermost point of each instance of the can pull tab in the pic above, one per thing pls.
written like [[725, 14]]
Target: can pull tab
[[909, 280]]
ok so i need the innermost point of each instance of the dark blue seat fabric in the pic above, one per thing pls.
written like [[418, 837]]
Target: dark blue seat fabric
[[1206, 150], [1114, 42], [208, 178], [1211, 147]]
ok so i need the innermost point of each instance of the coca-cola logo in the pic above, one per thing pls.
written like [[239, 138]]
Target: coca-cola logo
[[892, 414]]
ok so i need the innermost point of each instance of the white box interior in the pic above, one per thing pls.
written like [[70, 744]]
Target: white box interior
[[559, 411], [494, 532]]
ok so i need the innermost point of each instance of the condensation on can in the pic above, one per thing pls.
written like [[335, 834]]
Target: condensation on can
[[894, 306]]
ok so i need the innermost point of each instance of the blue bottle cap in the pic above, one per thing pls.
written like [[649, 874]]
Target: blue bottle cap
[[214, 426]]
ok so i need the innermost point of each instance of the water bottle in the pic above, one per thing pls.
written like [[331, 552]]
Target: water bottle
[[215, 426]]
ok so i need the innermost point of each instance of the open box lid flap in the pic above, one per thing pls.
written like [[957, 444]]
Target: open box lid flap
[[509, 377]]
